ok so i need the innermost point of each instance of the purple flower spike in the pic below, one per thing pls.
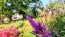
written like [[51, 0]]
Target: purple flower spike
[[38, 28]]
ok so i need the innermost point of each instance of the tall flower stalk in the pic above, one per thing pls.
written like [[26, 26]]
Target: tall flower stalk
[[39, 29]]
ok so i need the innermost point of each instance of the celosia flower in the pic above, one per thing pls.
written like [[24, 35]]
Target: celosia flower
[[38, 28], [8, 32], [13, 31], [4, 33]]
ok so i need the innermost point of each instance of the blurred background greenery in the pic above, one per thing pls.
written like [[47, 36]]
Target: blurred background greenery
[[52, 15]]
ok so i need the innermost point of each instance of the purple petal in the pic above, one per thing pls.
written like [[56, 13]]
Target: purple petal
[[37, 32], [41, 26], [48, 34], [43, 36], [32, 22]]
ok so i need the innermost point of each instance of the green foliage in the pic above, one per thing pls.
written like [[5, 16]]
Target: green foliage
[[52, 5], [20, 24], [58, 25], [26, 33], [21, 6]]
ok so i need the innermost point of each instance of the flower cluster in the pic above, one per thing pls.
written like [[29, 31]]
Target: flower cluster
[[9, 32]]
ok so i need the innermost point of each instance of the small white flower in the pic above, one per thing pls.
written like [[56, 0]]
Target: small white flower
[[8, 3]]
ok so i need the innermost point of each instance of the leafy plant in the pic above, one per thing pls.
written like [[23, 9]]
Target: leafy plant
[[58, 25]]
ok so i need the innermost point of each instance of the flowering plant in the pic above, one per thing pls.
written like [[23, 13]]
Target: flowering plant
[[39, 29], [9, 32]]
